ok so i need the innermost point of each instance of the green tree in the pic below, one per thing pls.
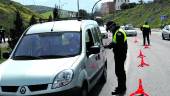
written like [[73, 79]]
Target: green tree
[[19, 26], [132, 5], [128, 5], [56, 14], [124, 6], [50, 18], [17, 31], [32, 20], [83, 14]]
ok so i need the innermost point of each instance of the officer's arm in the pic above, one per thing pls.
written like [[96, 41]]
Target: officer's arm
[[149, 30], [111, 45]]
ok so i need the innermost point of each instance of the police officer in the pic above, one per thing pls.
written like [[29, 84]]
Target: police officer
[[2, 34], [120, 46], [146, 30]]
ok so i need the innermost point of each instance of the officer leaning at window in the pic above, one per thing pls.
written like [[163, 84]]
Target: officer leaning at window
[[120, 46]]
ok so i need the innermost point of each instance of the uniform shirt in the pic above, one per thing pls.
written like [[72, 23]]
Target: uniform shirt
[[146, 30], [120, 46]]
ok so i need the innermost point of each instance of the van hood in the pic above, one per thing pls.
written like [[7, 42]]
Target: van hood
[[32, 72]]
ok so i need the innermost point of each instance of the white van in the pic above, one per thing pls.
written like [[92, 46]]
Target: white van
[[58, 58]]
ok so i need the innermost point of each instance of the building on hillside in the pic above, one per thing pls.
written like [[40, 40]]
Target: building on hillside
[[110, 7], [66, 13], [107, 8], [118, 3]]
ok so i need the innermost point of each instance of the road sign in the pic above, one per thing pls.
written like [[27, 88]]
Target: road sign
[[163, 17]]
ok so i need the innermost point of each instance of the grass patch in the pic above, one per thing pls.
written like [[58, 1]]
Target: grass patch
[[147, 12], [7, 14], [4, 49], [2, 60]]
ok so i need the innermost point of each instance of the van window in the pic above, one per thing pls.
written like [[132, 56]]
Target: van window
[[96, 35], [89, 39], [49, 45]]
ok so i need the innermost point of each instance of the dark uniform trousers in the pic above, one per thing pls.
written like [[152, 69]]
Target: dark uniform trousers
[[146, 36], [120, 58]]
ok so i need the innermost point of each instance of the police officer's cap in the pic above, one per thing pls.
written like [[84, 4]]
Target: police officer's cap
[[109, 25]]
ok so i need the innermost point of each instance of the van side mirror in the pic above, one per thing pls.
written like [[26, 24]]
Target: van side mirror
[[5, 55], [94, 50], [104, 36]]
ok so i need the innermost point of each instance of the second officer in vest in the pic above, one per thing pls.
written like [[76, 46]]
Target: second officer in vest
[[146, 30], [120, 46]]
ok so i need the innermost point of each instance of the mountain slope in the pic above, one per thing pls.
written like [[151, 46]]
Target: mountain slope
[[39, 9], [147, 12], [7, 11]]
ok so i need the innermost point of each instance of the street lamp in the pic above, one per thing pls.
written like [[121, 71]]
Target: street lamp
[[94, 7]]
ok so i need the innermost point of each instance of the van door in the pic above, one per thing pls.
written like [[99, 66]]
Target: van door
[[91, 63], [98, 42]]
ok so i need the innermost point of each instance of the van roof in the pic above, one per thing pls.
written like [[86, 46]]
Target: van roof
[[59, 26]]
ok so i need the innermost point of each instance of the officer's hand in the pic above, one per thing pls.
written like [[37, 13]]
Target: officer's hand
[[105, 46]]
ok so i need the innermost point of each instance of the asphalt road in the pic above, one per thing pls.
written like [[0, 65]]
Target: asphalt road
[[155, 78]]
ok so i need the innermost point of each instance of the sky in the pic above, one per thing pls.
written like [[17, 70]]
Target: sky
[[67, 4]]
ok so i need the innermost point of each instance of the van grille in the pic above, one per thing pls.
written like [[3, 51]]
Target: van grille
[[38, 87], [9, 88]]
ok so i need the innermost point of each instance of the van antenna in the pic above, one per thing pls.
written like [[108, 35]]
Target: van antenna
[[52, 27]]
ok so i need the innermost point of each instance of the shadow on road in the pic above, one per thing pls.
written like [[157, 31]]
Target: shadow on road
[[97, 89], [167, 39]]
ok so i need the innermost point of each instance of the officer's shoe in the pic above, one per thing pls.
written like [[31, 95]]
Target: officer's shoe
[[120, 88], [118, 92]]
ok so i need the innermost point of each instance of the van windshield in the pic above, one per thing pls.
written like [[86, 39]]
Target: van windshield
[[48, 45]]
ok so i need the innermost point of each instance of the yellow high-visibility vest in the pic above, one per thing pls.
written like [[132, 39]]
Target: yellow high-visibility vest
[[123, 32], [146, 26]]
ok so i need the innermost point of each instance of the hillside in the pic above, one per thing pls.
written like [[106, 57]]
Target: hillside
[[39, 9], [147, 12], [47, 14], [7, 11]]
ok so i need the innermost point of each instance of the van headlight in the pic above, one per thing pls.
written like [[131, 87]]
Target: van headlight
[[62, 79]]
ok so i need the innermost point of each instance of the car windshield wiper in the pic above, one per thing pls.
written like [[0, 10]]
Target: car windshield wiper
[[52, 56], [25, 57]]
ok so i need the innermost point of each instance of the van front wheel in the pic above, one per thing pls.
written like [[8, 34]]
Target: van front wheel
[[84, 91]]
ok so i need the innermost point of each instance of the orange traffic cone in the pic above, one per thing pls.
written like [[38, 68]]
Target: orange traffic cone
[[136, 40], [142, 64], [141, 54], [140, 91], [146, 46]]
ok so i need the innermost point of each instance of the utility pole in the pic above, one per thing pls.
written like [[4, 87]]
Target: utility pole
[[78, 8]]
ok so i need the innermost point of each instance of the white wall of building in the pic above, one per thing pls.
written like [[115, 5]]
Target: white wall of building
[[119, 3]]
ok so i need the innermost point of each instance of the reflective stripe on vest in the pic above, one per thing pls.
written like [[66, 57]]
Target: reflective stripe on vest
[[123, 32], [146, 26]]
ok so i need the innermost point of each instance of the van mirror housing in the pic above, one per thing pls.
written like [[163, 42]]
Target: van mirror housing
[[104, 36], [94, 50]]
